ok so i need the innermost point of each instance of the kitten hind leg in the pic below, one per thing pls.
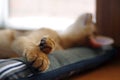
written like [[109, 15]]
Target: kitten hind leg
[[78, 32]]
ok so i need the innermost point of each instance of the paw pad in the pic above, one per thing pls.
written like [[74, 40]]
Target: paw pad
[[46, 45]]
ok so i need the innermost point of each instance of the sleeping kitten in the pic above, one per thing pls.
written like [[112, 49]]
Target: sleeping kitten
[[35, 45]]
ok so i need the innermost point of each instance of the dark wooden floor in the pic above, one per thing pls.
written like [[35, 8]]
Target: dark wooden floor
[[108, 71]]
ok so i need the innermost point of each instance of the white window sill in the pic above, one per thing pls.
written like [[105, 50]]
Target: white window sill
[[36, 22]]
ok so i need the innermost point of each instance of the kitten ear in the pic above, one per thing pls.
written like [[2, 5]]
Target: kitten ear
[[88, 19]]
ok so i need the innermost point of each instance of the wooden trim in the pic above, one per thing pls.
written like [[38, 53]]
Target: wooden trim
[[108, 18]]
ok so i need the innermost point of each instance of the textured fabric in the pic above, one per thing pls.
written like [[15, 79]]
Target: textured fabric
[[63, 63], [11, 69]]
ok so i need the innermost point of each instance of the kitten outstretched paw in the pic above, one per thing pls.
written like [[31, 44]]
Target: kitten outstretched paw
[[38, 59], [37, 55]]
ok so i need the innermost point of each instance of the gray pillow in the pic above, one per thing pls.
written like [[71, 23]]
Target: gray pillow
[[65, 62]]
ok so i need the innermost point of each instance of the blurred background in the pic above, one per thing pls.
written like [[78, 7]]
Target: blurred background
[[34, 14]]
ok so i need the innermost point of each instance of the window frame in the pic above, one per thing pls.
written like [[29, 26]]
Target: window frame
[[4, 13]]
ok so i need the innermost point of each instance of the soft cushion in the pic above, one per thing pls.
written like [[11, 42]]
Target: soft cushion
[[63, 64]]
